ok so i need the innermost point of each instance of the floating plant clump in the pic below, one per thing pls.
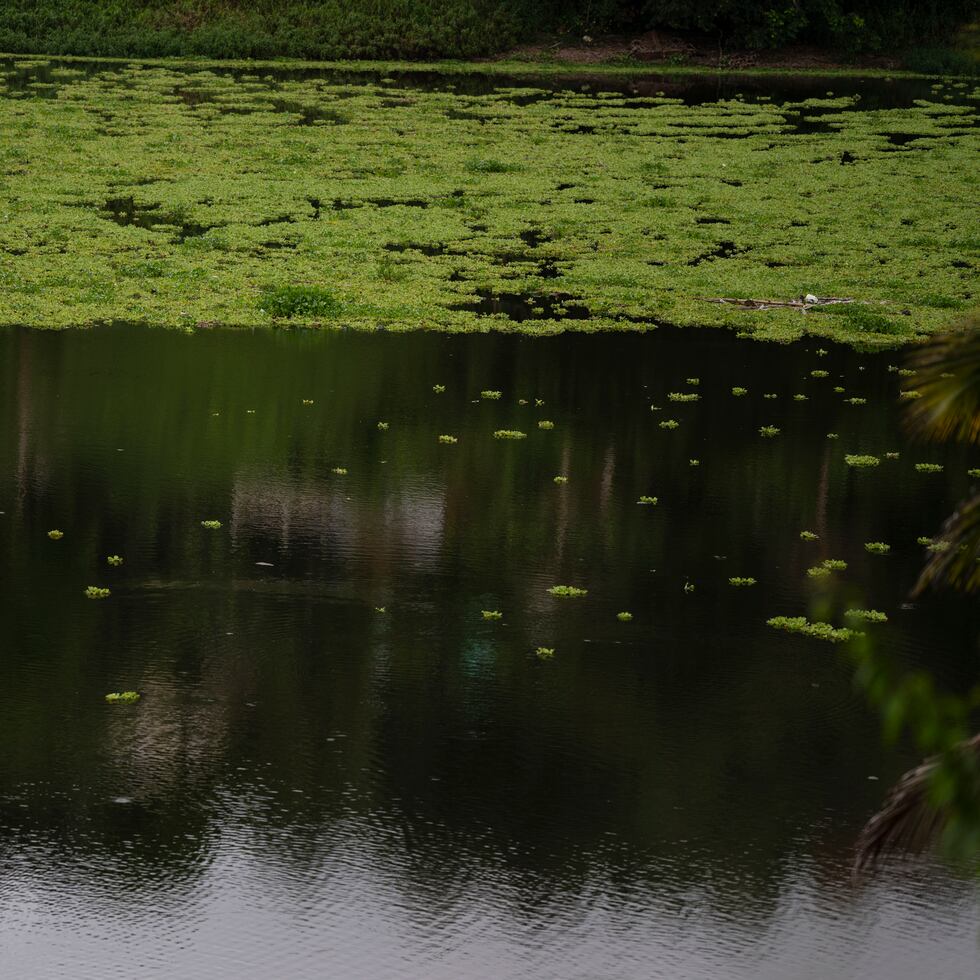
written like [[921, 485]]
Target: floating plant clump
[[682, 396], [544, 653], [509, 434], [834, 564], [560, 479], [770, 395], [866, 615], [833, 435], [211, 525], [694, 382], [936, 546], [491, 395], [739, 580], [648, 501], [694, 462], [819, 631], [95, 592], [768, 431], [114, 560], [808, 536], [928, 468], [800, 398], [819, 374], [669, 424], [491, 614], [974, 473], [56, 535], [123, 697], [818, 571], [307, 401], [738, 392], [625, 617], [839, 390], [567, 591], [861, 461], [910, 395], [448, 440], [856, 401], [892, 455], [382, 427], [438, 389], [546, 424], [877, 547]]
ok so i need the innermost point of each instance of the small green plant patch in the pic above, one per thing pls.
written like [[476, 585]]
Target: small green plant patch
[[856, 401], [739, 392], [834, 564], [509, 434], [866, 615], [306, 302], [741, 581], [768, 431], [683, 396], [491, 614], [56, 535], [546, 424], [95, 592], [625, 617], [567, 591], [809, 536], [818, 571], [211, 525], [114, 560], [975, 474], [819, 374], [544, 653], [817, 630], [448, 440], [861, 462], [439, 389], [928, 468], [560, 480], [648, 501], [669, 424], [877, 547], [491, 395], [339, 471], [123, 697], [382, 427]]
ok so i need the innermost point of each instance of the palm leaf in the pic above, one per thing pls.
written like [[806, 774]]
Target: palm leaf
[[958, 566]]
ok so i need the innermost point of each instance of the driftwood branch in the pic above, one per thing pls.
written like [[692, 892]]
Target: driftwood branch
[[804, 304]]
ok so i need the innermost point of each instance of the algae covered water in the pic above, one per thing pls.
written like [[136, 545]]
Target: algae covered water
[[339, 766]]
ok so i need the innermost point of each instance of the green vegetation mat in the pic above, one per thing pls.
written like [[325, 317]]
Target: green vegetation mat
[[177, 195]]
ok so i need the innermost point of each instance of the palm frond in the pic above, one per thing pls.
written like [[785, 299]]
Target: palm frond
[[957, 566], [909, 822], [947, 379]]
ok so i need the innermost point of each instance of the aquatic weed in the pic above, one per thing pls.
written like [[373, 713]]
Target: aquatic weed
[[768, 431], [738, 392], [817, 630], [448, 440], [94, 592], [211, 525], [56, 535], [567, 591], [856, 401], [866, 615], [339, 470], [833, 435], [560, 479], [694, 462], [974, 473], [123, 697], [877, 547], [114, 560], [491, 395], [382, 427], [438, 389], [682, 396], [307, 401], [491, 614], [892, 455], [694, 382], [741, 580], [305, 301], [819, 374], [651, 501], [689, 587], [834, 564], [809, 536], [909, 395], [861, 461], [509, 434], [770, 395], [544, 653], [818, 571], [928, 468], [669, 424], [624, 617], [546, 424], [800, 398]]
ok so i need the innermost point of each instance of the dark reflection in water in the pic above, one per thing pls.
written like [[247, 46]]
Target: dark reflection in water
[[311, 787]]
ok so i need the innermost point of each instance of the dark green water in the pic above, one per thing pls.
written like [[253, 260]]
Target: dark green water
[[313, 788]]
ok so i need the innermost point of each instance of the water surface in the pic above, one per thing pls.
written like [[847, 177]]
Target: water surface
[[313, 788]]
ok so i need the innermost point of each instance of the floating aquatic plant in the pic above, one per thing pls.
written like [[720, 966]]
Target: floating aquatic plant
[[625, 617], [509, 434], [834, 564], [905, 372], [56, 535], [560, 479], [808, 536], [651, 501], [544, 653], [891, 455], [491, 614], [692, 381], [974, 473], [123, 697], [688, 587], [114, 560], [490, 395], [669, 424], [861, 461], [211, 525], [909, 395], [546, 424], [800, 398], [936, 546], [819, 374], [683, 396], [818, 571], [382, 427], [521, 401], [307, 401], [379, 609], [770, 395], [819, 631], [438, 389], [928, 468], [833, 435], [741, 580], [877, 547], [738, 392], [866, 615], [94, 592], [856, 401], [567, 591], [694, 462], [339, 470], [839, 390], [768, 431], [448, 440], [538, 402], [821, 352]]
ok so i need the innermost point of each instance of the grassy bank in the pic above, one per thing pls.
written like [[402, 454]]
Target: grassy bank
[[175, 195]]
